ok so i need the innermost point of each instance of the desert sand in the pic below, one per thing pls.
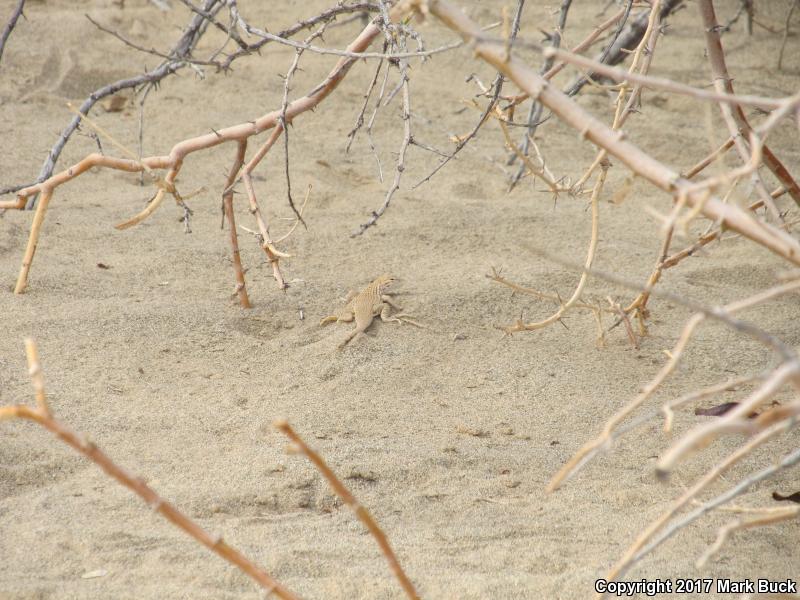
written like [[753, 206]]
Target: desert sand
[[448, 434]]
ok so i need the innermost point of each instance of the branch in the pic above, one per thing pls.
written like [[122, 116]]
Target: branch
[[42, 416], [174, 161], [612, 141], [660, 83], [722, 81], [12, 22], [619, 49], [640, 546], [590, 254], [362, 513], [181, 50], [786, 462], [603, 441], [401, 156], [326, 15], [498, 88], [535, 110], [769, 517]]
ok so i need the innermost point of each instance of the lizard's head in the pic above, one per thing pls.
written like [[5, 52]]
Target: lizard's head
[[385, 281]]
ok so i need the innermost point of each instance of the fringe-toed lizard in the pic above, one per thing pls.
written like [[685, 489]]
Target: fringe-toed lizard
[[365, 305]]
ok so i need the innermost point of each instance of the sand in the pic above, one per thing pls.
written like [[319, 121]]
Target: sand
[[447, 434]]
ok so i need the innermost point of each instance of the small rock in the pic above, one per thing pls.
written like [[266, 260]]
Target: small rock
[[473, 431], [94, 574], [138, 29]]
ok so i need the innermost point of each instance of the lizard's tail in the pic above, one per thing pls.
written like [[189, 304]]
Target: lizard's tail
[[348, 339]]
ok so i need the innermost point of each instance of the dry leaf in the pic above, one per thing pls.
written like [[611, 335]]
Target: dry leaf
[[790, 498], [720, 409], [623, 192], [114, 103]]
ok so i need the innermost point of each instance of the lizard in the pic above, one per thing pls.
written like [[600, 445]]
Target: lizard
[[364, 306]]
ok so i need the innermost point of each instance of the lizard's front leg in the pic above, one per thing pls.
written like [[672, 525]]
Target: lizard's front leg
[[386, 313], [387, 317], [387, 299]]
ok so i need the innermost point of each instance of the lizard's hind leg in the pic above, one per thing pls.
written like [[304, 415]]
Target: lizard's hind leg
[[345, 318]]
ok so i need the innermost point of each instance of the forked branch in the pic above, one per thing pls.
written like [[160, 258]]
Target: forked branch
[[613, 142], [174, 160]]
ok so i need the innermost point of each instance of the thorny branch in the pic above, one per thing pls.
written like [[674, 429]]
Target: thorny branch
[[626, 42], [174, 161], [283, 122], [774, 419], [535, 110], [407, 138], [10, 24], [179, 53], [497, 87], [180, 56]]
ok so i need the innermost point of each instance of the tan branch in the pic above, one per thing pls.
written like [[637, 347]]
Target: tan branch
[[361, 512], [179, 152], [606, 436], [613, 141], [723, 82], [42, 416], [590, 254], [769, 517]]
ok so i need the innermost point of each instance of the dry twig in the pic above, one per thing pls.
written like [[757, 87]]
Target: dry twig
[[174, 160], [612, 141], [362, 513], [43, 416], [10, 24]]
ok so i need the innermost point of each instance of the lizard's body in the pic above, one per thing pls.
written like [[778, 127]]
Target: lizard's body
[[364, 306]]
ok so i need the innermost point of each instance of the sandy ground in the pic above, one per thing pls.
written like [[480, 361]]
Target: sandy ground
[[447, 434]]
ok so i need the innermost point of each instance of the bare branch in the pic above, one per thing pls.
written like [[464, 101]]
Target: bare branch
[[137, 485], [362, 513], [9, 27]]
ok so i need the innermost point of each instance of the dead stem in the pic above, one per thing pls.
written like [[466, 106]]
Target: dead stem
[[401, 155], [601, 442], [361, 512], [590, 254], [640, 547], [181, 150], [734, 116], [612, 141], [42, 416], [770, 516], [12, 22], [227, 207]]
